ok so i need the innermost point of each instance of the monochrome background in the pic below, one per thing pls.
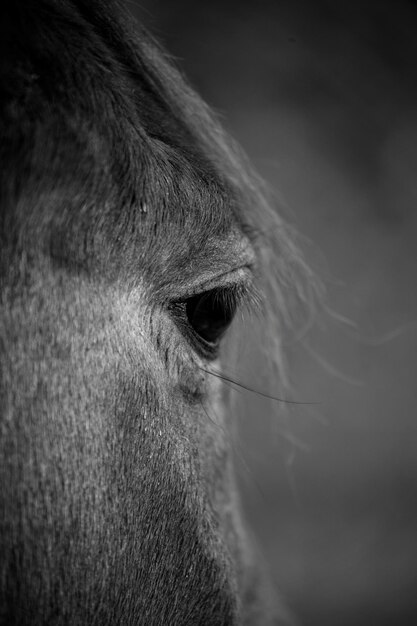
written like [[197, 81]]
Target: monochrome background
[[322, 95]]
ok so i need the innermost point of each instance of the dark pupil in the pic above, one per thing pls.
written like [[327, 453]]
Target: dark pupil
[[209, 315]]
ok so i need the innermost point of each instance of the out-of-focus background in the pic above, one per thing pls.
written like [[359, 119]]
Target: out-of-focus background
[[323, 97]]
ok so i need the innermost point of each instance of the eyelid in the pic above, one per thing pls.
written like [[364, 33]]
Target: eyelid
[[240, 278]]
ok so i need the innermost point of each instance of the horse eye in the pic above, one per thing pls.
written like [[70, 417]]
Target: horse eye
[[210, 314], [205, 317]]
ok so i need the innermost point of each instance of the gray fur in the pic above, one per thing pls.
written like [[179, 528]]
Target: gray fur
[[118, 191]]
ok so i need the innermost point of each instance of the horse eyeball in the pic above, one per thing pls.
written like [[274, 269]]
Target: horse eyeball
[[210, 314]]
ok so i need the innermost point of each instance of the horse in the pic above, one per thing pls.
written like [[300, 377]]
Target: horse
[[132, 231]]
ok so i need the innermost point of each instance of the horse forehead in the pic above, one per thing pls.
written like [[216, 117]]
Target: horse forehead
[[184, 209], [187, 209], [191, 221], [187, 216], [126, 182]]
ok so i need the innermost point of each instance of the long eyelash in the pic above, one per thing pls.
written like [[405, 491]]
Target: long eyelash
[[238, 295], [228, 297], [231, 381]]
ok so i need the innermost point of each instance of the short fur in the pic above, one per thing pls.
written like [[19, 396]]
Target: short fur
[[118, 189]]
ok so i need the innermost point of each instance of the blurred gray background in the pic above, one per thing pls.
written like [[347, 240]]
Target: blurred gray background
[[322, 95]]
